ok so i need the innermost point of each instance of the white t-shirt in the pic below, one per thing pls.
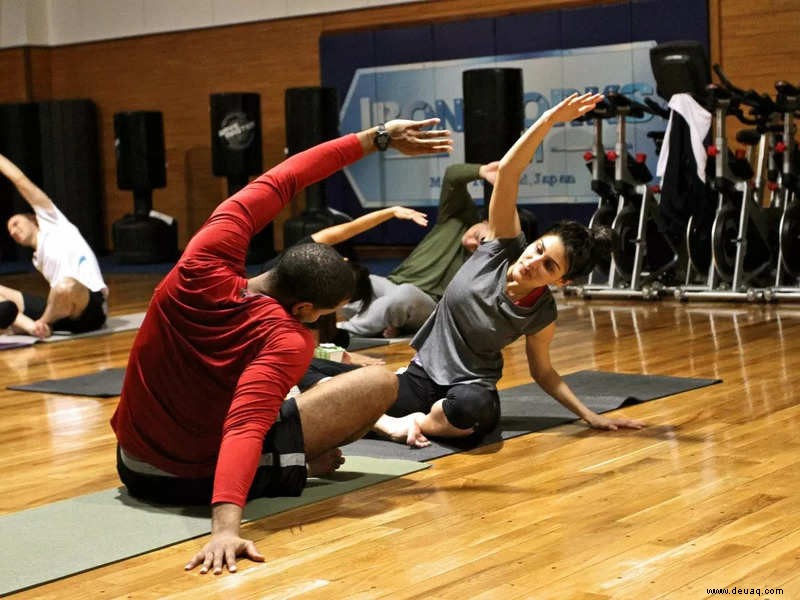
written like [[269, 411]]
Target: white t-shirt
[[62, 252]]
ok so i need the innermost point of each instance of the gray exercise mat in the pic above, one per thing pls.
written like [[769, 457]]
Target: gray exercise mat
[[102, 384], [359, 343], [528, 408], [75, 535], [112, 325]]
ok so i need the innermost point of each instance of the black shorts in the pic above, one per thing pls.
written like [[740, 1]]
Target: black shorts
[[322, 368], [418, 393], [93, 316], [281, 472]]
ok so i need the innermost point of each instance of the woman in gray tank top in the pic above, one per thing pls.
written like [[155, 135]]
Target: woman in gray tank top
[[499, 294]]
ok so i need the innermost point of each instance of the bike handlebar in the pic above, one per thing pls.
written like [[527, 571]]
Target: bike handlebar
[[656, 108], [636, 109]]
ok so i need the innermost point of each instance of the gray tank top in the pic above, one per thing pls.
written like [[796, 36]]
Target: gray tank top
[[462, 340]]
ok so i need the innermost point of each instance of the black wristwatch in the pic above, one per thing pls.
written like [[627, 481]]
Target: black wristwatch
[[382, 138]]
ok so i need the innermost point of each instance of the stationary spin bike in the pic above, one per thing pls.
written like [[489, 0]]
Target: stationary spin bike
[[642, 253], [740, 232], [787, 198]]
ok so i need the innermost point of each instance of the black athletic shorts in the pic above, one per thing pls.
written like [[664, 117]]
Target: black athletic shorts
[[418, 393], [281, 472], [93, 316], [322, 368]]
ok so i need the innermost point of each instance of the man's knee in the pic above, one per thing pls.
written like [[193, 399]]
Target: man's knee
[[472, 406], [67, 288], [70, 293], [384, 382], [8, 313]]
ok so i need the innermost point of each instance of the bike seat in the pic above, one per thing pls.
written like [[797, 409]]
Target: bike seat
[[656, 109], [749, 137], [761, 105], [618, 100], [785, 88], [716, 94], [602, 110], [788, 98], [627, 105]]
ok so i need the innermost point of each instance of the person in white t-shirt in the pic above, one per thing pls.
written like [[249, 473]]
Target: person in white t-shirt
[[77, 298]]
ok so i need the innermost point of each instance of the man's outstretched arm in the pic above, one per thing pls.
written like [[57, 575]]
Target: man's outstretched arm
[[29, 190], [409, 137], [228, 231]]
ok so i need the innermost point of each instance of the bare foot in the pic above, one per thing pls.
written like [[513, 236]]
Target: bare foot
[[325, 463], [41, 329], [405, 430], [362, 360], [391, 332]]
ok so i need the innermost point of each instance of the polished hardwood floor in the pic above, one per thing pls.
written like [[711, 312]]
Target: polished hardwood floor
[[706, 497]]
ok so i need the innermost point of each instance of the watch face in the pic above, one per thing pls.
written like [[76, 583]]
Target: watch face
[[382, 139]]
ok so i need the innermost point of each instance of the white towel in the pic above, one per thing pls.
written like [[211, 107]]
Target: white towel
[[699, 121]]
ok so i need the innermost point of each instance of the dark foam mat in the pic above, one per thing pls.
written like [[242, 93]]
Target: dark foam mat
[[527, 408], [102, 384], [360, 343]]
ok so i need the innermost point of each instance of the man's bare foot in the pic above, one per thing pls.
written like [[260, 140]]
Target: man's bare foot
[[362, 360], [405, 430], [41, 329], [391, 332], [325, 463]]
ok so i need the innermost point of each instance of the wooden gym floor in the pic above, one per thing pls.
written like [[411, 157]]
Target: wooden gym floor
[[706, 497]]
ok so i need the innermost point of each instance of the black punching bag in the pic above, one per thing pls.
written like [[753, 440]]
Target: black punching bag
[[494, 114], [141, 158], [71, 164], [236, 137], [236, 153], [19, 142], [141, 168], [312, 117]]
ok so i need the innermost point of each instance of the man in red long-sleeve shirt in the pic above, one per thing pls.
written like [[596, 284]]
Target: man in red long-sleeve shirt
[[202, 416]]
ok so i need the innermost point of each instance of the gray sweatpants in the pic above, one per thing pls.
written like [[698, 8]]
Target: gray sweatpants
[[403, 306]]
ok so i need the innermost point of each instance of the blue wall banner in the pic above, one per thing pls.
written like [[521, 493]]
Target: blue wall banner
[[419, 91], [415, 72]]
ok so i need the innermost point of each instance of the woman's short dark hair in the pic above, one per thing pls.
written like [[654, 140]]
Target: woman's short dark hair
[[313, 273], [584, 247]]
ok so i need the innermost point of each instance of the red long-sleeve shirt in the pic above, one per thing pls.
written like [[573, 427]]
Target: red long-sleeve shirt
[[212, 363]]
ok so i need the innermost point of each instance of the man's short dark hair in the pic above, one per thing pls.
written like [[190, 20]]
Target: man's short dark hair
[[313, 273]]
